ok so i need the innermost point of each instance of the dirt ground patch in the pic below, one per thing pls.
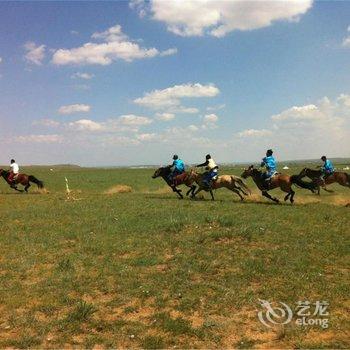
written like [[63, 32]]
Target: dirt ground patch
[[119, 189]]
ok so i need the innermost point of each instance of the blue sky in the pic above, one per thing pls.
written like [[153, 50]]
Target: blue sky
[[119, 83]]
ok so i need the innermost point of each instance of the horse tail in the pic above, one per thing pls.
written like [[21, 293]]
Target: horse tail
[[348, 177], [33, 179], [242, 183], [295, 179]]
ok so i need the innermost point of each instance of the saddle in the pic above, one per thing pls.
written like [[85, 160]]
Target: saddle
[[267, 182], [12, 177]]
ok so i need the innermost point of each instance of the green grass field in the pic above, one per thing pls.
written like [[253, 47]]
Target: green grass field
[[146, 270]]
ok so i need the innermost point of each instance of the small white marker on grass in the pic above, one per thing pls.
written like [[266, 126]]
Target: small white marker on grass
[[69, 195]]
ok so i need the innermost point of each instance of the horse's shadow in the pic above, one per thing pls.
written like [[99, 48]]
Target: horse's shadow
[[233, 201], [19, 193]]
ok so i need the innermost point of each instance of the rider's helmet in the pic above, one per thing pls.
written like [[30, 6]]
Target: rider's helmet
[[208, 156], [13, 161], [324, 158], [175, 156], [269, 152]]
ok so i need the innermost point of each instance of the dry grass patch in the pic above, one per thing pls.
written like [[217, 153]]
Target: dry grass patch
[[119, 189]]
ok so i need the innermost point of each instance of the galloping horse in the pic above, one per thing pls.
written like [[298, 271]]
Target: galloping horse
[[284, 182], [231, 182], [21, 179], [340, 177], [182, 179]]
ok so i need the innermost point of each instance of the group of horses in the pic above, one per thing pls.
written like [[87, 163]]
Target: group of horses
[[195, 182], [236, 184]]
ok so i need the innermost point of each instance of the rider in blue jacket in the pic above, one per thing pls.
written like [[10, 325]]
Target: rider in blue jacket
[[178, 166], [269, 162], [327, 169]]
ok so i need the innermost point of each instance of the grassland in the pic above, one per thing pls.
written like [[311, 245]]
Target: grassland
[[142, 269]]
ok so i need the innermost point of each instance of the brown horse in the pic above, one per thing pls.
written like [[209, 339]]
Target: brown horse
[[231, 182], [341, 178], [284, 182], [182, 179], [21, 179]]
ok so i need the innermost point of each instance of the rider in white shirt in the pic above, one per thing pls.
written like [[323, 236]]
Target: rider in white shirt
[[212, 170], [14, 171]]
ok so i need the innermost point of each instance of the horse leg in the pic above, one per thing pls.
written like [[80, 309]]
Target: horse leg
[[194, 194], [178, 192], [193, 189], [240, 189], [212, 195], [236, 190], [267, 195], [292, 193], [15, 188], [286, 197], [26, 187]]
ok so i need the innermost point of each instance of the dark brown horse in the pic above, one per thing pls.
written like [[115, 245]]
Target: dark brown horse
[[341, 178], [182, 179], [21, 179], [284, 182]]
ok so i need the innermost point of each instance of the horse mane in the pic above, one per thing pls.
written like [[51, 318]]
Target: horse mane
[[165, 170], [256, 171]]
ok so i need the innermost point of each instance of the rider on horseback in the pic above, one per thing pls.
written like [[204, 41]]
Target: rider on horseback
[[327, 169], [211, 170], [14, 171], [271, 166], [178, 167]]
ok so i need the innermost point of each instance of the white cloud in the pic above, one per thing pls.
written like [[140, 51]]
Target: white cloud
[[34, 54], [165, 116], [193, 127], [39, 139], [147, 137], [170, 98], [308, 112], [116, 45], [254, 133], [134, 120], [211, 118], [215, 108], [86, 125], [344, 100], [124, 123], [346, 41], [111, 34], [186, 110], [306, 131], [0, 59], [217, 18], [139, 6], [168, 52], [75, 108], [79, 75], [210, 121]]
